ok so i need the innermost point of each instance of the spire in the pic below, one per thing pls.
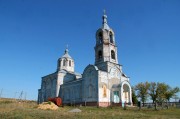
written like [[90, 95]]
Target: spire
[[104, 17], [104, 24], [66, 53], [66, 50]]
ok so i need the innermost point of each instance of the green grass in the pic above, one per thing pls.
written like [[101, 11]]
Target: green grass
[[11, 109]]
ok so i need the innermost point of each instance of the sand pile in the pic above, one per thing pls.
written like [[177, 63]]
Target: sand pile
[[48, 105]]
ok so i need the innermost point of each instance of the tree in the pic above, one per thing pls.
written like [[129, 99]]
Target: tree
[[166, 92], [142, 91], [161, 90], [171, 92], [157, 92], [134, 97], [153, 92]]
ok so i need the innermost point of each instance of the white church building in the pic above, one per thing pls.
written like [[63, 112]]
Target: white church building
[[101, 84]]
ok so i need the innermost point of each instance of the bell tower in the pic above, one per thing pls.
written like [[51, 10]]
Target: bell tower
[[105, 48]]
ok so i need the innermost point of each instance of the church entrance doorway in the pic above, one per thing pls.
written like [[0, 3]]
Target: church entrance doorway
[[126, 93], [116, 96]]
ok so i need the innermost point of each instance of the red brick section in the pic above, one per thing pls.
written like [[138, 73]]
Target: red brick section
[[107, 104], [104, 104]]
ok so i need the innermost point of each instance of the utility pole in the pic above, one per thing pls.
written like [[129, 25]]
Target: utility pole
[[20, 96], [1, 92], [25, 96]]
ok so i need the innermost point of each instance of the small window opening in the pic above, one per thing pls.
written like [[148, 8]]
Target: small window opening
[[70, 63], [59, 63], [112, 54], [100, 54], [64, 63]]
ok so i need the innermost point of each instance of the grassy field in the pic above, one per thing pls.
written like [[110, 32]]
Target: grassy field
[[11, 109]]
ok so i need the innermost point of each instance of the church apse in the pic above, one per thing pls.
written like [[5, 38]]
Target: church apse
[[90, 85]]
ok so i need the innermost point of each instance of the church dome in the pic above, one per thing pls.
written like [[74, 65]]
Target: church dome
[[66, 54], [66, 62]]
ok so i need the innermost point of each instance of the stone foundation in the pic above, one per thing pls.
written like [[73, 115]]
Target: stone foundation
[[116, 104], [97, 104]]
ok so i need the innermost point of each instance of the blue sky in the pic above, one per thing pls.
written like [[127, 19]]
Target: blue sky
[[34, 34]]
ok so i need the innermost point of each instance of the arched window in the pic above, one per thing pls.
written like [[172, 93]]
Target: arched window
[[100, 54], [64, 63], [100, 37], [111, 37], [90, 90], [112, 54], [70, 63]]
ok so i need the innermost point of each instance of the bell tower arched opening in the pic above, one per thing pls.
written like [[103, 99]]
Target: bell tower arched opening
[[111, 37], [100, 37]]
